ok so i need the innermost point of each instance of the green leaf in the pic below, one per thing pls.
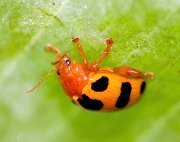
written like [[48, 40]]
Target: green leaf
[[146, 35]]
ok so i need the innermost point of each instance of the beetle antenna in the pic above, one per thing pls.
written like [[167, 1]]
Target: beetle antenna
[[40, 81]]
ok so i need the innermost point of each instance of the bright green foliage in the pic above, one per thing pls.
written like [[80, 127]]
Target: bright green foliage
[[146, 35]]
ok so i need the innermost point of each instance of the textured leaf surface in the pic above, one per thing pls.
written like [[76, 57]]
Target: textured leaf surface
[[146, 35]]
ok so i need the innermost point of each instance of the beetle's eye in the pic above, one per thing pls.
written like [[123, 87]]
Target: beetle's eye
[[68, 62]]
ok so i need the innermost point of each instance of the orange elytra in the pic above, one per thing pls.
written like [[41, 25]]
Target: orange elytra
[[95, 88]]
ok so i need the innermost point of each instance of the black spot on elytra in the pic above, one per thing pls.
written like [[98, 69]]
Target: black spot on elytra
[[124, 97], [100, 85], [89, 103], [143, 86]]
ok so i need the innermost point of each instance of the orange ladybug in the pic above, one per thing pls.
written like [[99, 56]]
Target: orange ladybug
[[94, 88]]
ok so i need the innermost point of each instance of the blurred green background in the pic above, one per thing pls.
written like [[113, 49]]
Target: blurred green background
[[146, 35]]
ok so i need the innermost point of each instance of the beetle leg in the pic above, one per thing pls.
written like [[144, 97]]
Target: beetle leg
[[74, 99], [109, 43], [149, 75], [130, 72], [80, 50], [50, 48]]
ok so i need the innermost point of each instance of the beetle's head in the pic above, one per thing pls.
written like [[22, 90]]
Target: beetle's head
[[63, 63]]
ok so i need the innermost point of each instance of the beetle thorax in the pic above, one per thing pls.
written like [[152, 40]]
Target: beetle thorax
[[73, 77]]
